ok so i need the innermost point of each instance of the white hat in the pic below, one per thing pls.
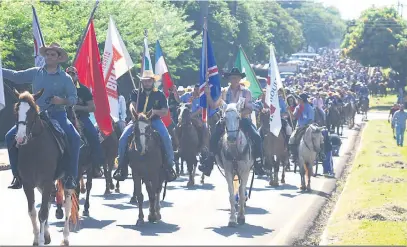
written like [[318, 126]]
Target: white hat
[[181, 88]]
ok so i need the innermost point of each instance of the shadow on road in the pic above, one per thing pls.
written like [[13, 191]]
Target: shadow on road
[[284, 187], [249, 210], [244, 231], [320, 193], [199, 187], [86, 223], [113, 197], [289, 195], [153, 229]]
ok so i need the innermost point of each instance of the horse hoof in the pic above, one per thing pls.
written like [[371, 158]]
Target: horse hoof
[[117, 190], [111, 186], [202, 181], [190, 183], [65, 243], [283, 181], [158, 216], [308, 188], [140, 222], [133, 200], [302, 188], [85, 212], [47, 239], [152, 218], [232, 224], [241, 221], [59, 214], [35, 243], [182, 173], [271, 183], [107, 192]]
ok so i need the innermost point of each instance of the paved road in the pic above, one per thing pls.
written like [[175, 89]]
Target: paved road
[[190, 216]]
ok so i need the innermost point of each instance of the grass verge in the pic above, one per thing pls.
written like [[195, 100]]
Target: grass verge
[[372, 209], [382, 103]]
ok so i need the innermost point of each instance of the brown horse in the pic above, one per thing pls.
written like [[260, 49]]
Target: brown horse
[[189, 141], [38, 160], [275, 149], [146, 161]]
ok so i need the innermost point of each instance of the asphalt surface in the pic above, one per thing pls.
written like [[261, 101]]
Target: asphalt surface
[[190, 216]]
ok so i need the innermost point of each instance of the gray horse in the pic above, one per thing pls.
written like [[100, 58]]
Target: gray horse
[[311, 144], [236, 159], [319, 117], [349, 112]]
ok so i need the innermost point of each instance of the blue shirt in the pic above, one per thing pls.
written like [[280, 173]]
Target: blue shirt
[[283, 105], [399, 119], [185, 97], [306, 117], [57, 84]]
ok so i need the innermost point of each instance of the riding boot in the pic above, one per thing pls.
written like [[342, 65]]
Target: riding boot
[[16, 183], [70, 183], [121, 174], [258, 167], [170, 174]]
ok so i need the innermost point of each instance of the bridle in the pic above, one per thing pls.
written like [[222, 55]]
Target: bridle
[[29, 133], [232, 131], [313, 143]]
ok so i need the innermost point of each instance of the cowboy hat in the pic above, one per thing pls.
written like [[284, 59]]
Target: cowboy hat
[[245, 83], [55, 47], [148, 74], [181, 88], [234, 71]]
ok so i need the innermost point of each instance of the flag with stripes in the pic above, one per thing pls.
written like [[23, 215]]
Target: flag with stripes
[[213, 76], [38, 41]]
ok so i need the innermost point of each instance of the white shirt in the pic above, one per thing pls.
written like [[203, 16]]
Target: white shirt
[[122, 108], [318, 102]]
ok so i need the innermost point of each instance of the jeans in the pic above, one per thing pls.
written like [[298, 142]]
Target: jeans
[[328, 163], [92, 136], [73, 138], [400, 135], [159, 126]]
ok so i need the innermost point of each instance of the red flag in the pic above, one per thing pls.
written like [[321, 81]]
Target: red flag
[[90, 74]]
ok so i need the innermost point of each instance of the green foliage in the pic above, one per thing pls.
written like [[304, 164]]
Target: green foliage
[[378, 38]]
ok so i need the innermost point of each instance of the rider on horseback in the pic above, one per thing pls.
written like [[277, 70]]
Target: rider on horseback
[[154, 101], [82, 109], [61, 92], [234, 93], [304, 113]]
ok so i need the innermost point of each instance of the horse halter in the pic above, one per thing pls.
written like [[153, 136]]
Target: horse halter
[[232, 131]]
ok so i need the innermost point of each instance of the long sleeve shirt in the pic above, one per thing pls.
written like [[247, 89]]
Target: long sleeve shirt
[[318, 103], [283, 105], [399, 119], [305, 116], [56, 84], [122, 108]]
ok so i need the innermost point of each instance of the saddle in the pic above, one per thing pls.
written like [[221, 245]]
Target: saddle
[[137, 147], [299, 133]]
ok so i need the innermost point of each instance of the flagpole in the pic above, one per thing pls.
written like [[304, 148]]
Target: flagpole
[[141, 69], [36, 19], [251, 69], [206, 64], [85, 31]]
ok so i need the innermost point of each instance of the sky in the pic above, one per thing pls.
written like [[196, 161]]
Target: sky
[[351, 9]]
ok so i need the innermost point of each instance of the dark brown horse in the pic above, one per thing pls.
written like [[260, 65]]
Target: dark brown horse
[[189, 141], [334, 118], [38, 159], [146, 161], [275, 149]]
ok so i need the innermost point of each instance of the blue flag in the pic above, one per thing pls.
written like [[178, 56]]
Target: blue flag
[[214, 80]]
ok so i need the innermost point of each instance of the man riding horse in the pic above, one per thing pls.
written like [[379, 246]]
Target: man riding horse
[[235, 92], [59, 92], [304, 113], [82, 109], [151, 101]]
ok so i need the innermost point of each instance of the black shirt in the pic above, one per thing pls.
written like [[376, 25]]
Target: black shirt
[[84, 96], [156, 100]]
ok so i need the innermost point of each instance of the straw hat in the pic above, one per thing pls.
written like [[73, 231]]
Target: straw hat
[[148, 74], [63, 56]]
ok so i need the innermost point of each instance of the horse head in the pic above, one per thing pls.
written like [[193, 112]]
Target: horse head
[[27, 113], [232, 121], [184, 113], [143, 132], [313, 138], [264, 117]]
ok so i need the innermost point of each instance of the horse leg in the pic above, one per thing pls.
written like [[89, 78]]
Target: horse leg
[[302, 174], [82, 183], [182, 167], [43, 216], [140, 198], [309, 165], [88, 189], [68, 208], [316, 166], [190, 167], [276, 170], [284, 162], [32, 212], [229, 178], [152, 215], [157, 202], [133, 199], [108, 176], [107, 180], [117, 190], [242, 196]]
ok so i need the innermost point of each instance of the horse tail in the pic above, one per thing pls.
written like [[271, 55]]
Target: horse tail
[[74, 209]]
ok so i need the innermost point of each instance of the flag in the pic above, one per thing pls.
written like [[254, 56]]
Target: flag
[[273, 85], [213, 74], [242, 63], [146, 59], [91, 75], [166, 81], [116, 62], [38, 41], [2, 98]]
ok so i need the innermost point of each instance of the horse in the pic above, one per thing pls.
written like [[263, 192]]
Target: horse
[[189, 141], [39, 158], [236, 159], [146, 161], [349, 112], [319, 117], [275, 149], [364, 107], [334, 118], [310, 146]]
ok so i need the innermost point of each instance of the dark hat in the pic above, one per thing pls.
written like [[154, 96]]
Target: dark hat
[[197, 85], [304, 96], [235, 71]]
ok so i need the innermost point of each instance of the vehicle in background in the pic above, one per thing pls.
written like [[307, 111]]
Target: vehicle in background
[[297, 56], [289, 67], [262, 81], [285, 75]]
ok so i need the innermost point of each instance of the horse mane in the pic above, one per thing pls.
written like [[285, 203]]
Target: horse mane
[[29, 98], [142, 117]]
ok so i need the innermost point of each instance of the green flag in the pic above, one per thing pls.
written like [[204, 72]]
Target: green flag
[[242, 63]]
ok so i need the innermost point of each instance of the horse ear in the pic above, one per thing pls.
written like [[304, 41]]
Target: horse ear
[[38, 95], [16, 93]]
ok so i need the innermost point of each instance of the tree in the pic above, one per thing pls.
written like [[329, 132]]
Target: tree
[[378, 39]]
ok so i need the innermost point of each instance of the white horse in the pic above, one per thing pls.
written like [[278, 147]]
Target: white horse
[[311, 144], [235, 158]]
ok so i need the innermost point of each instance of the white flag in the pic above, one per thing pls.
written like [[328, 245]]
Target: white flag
[[116, 62], [38, 41], [2, 99], [273, 85]]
